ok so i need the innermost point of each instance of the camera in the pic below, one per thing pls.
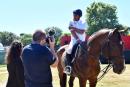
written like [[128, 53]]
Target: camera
[[50, 35]]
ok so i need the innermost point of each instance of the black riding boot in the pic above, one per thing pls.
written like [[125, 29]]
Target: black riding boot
[[68, 68]]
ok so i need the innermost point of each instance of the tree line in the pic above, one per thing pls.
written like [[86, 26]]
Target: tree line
[[6, 38]]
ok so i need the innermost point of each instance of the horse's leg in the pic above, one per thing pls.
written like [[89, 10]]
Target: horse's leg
[[63, 78], [82, 82], [71, 80], [92, 82]]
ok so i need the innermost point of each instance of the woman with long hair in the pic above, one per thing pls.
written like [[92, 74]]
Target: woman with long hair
[[14, 65]]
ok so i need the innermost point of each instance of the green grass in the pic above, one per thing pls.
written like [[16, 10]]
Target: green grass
[[3, 74], [110, 80], [2, 66]]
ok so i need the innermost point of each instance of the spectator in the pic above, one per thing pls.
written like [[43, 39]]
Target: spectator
[[37, 59], [14, 66]]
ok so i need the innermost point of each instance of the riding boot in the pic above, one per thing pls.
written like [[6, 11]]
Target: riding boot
[[68, 68]]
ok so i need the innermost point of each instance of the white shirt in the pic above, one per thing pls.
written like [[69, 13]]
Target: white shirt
[[79, 25]]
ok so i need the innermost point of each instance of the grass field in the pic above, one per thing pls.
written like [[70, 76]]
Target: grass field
[[3, 75], [110, 80]]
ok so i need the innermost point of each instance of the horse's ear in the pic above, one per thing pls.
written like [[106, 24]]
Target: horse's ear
[[115, 31], [123, 30]]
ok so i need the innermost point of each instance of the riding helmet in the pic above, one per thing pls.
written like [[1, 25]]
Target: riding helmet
[[77, 12]]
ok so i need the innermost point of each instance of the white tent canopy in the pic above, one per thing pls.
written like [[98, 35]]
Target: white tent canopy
[[1, 45]]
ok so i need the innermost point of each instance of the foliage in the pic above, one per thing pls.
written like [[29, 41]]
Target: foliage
[[100, 15], [26, 38], [66, 34], [57, 35], [6, 38]]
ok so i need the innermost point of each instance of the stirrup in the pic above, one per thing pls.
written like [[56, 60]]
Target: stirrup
[[68, 72]]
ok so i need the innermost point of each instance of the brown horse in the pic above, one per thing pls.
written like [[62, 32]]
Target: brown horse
[[86, 65]]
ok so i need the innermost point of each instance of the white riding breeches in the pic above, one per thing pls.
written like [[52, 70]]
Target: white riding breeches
[[73, 42]]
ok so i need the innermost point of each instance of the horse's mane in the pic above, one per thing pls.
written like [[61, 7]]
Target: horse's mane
[[101, 32], [98, 33]]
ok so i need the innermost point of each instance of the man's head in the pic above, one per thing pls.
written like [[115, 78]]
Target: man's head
[[77, 14], [39, 36]]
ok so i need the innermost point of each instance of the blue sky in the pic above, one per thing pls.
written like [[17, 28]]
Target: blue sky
[[25, 16]]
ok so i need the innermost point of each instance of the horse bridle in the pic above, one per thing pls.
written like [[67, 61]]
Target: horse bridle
[[109, 57], [109, 66]]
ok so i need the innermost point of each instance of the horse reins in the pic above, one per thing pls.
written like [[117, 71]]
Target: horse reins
[[106, 69], [109, 66]]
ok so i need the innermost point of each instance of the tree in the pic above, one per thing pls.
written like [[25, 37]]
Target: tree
[[128, 30], [6, 38], [66, 33], [57, 35], [25, 38], [100, 15]]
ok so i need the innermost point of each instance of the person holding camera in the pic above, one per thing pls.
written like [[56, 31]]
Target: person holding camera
[[37, 59]]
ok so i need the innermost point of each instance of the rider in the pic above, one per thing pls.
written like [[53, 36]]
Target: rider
[[77, 28]]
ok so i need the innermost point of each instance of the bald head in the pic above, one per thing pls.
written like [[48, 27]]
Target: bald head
[[39, 35]]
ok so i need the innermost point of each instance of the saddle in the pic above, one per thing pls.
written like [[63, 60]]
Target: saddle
[[75, 51], [78, 50]]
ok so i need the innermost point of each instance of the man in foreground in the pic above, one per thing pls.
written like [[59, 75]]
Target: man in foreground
[[37, 59]]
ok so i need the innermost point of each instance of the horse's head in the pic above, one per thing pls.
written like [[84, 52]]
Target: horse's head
[[114, 51]]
